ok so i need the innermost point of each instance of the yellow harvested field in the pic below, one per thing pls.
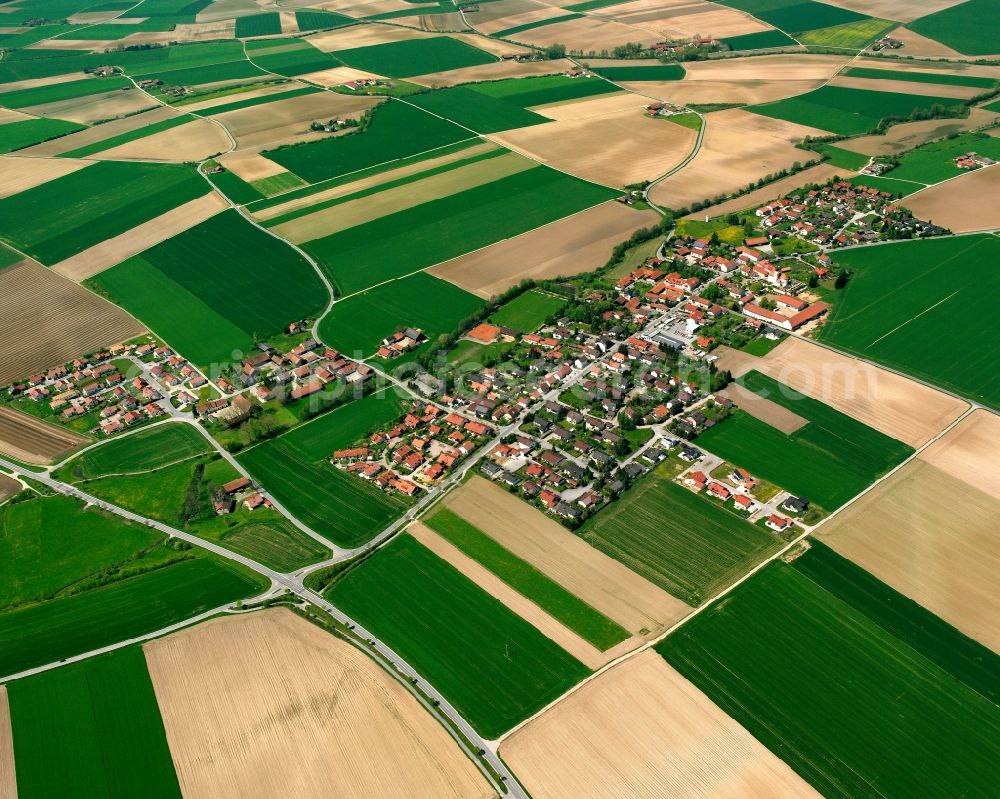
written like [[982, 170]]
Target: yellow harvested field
[[390, 201], [641, 730], [576, 244], [100, 132], [192, 141], [583, 651], [930, 530], [916, 45], [588, 35], [906, 136], [965, 204], [361, 35], [494, 71], [8, 781], [738, 148], [895, 405], [768, 411], [898, 10], [20, 174], [602, 582], [337, 76], [908, 87], [267, 704], [266, 125], [140, 238], [633, 147], [31, 440], [97, 107], [46, 320], [758, 197], [251, 166], [374, 180]]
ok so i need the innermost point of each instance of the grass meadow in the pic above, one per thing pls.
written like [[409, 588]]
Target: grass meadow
[[528, 311], [91, 729], [267, 24], [577, 615], [849, 36], [410, 57], [830, 459], [681, 542], [853, 709], [17, 135], [341, 427], [918, 307], [933, 162], [968, 27], [152, 448], [491, 664]]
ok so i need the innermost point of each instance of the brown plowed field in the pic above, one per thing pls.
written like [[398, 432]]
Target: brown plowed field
[[192, 141], [268, 705], [21, 174], [579, 243], [778, 416], [965, 204], [900, 138], [46, 320], [641, 730], [495, 71], [898, 10], [87, 110], [31, 440], [8, 488], [758, 197], [100, 132]]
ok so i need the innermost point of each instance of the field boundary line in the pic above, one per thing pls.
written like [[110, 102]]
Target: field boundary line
[[912, 318]]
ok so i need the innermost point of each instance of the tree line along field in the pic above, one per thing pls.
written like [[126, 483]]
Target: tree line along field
[[968, 27], [91, 729], [493, 666], [848, 111], [830, 459], [908, 303], [445, 228], [67, 215], [570, 610], [854, 709], [18, 135], [677, 540], [216, 288], [542, 89], [377, 144], [411, 57], [357, 324]]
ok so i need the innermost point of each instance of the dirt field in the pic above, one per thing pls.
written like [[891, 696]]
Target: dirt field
[[277, 88], [583, 651], [251, 166], [642, 730], [738, 149], [8, 781], [31, 440], [21, 174], [140, 238], [683, 19], [754, 199], [267, 705], [8, 115], [941, 67], [537, 14], [337, 76], [969, 452], [46, 320], [495, 71], [965, 204], [227, 9], [494, 46], [633, 147], [764, 409], [916, 45], [722, 91], [87, 110], [603, 583], [586, 35], [892, 404], [932, 536], [570, 246], [908, 87], [99, 132], [8, 488], [908, 135], [268, 125], [193, 141], [898, 10], [384, 203], [361, 35]]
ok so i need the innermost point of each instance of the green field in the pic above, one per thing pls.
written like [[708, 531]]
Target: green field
[[848, 111], [934, 162], [445, 228], [544, 89], [67, 215], [853, 709], [216, 288], [17, 135], [969, 27], [830, 459], [492, 665], [914, 306], [356, 325], [289, 57], [475, 110], [528, 311], [657, 73], [123, 138], [795, 16], [900, 188], [845, 159], [337, 505], [341, 427], [850, 36], [380, 143], [152, 448], [74, 544], [312, 19], [528, 581], [527, 26], [759, 41], [411, 57], [267, 24], [210, 73], [677, 540], [945, 78], [276, 184], [59, 629], [23, 98], [91, 729], [234, 187]]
